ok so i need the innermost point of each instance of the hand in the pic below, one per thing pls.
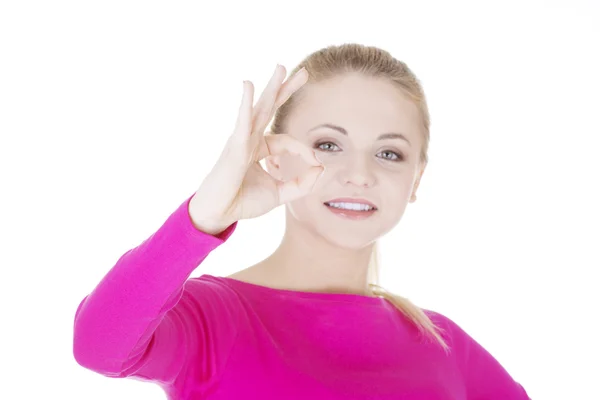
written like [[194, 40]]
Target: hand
[[238, 187]]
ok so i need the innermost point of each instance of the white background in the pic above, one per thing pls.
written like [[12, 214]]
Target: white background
[[112, 112]]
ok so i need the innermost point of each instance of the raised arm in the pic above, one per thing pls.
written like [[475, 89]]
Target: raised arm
[[118, 323]]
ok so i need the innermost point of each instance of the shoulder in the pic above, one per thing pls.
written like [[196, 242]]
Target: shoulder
[[211, 288], [452, 332], [483, 374], [460, 342], [438, 317]]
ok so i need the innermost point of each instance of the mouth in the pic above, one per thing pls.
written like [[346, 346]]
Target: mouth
[[351, 208]]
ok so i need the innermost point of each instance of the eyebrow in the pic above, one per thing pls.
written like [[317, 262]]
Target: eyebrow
[[388, 135]]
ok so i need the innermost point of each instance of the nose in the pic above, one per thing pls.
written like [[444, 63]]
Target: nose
[[357, 171]]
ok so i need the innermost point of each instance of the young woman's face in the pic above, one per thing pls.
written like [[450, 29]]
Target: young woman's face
[[359, 163]]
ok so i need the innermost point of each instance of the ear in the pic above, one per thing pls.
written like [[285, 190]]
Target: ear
[[413, 196]]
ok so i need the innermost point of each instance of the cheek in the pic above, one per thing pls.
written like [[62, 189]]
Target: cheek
[[396, 192], [302, 210]]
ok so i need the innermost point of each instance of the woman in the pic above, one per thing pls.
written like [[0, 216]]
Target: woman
[[346, 151]]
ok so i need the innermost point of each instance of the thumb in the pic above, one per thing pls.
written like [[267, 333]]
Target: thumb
[[300, 186]]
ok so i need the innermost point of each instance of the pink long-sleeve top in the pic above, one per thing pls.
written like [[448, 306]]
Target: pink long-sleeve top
[[219, 338]]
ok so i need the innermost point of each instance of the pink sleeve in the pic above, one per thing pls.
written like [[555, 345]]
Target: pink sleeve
[[142, 319], [485, 378]]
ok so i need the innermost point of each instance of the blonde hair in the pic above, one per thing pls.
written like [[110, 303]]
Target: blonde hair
[[371, 61]]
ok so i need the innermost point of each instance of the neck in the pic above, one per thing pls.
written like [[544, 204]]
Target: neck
[[305, 261]]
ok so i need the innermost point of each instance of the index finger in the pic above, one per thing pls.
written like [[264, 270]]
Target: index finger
[[276, 144]]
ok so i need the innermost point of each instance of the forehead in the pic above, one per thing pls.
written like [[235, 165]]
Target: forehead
[[357, 102]]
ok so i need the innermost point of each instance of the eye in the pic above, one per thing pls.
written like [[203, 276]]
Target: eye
[[394, 156], [319, 145]]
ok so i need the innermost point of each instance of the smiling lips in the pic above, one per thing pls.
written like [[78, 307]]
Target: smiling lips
[[351, 208], [351, 202]]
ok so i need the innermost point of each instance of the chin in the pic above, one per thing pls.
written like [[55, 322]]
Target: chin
[[350, 243], [337, 229], [348, 233]]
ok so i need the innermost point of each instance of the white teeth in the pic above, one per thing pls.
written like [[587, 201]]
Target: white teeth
[[351, 206]]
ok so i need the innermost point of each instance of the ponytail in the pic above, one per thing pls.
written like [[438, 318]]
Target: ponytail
[[416, 315]]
